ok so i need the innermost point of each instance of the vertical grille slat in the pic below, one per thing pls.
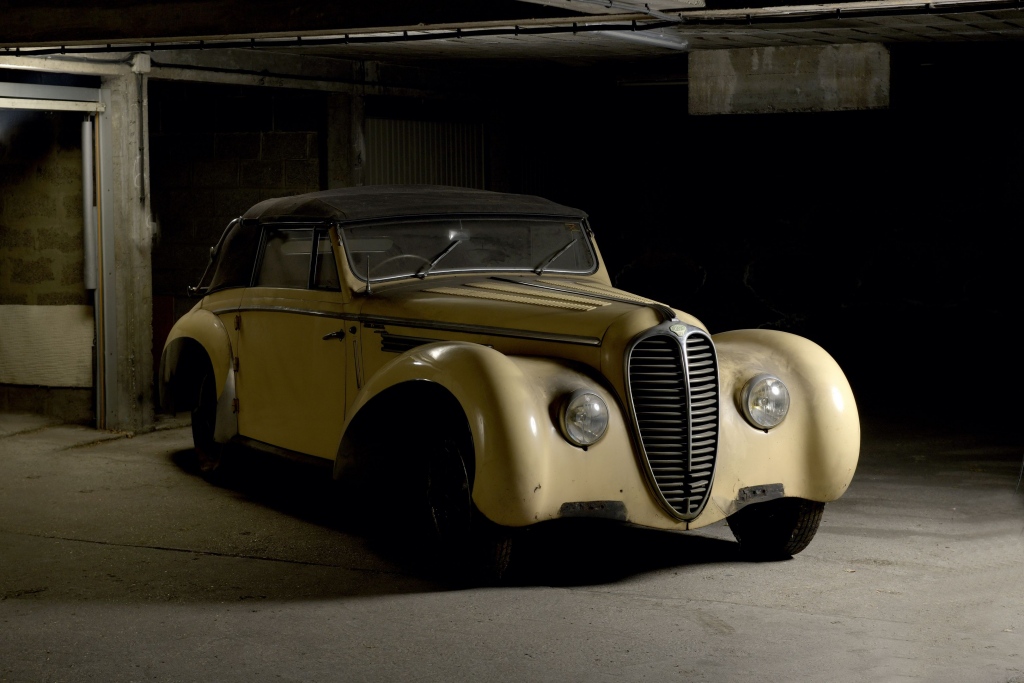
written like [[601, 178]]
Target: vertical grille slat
[[673, 386]]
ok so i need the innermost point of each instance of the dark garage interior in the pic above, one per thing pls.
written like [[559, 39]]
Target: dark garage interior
[[820, 224], [881, 229]]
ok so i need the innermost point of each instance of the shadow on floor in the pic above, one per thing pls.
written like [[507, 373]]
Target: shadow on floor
[[572, 552]]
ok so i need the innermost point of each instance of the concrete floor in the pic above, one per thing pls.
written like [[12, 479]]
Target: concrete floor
[[118, 563]]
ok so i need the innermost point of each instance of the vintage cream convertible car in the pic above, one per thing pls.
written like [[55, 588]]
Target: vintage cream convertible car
[[468, 351]]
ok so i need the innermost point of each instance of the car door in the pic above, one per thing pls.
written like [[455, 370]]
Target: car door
[[291, 353]]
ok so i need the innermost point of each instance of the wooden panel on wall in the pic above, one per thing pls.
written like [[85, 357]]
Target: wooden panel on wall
[[49, 346]]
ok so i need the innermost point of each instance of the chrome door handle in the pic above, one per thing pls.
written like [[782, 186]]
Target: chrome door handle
[[340, 334]]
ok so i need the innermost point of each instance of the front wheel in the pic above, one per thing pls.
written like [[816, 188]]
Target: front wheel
[[776, 529], [468, 540]]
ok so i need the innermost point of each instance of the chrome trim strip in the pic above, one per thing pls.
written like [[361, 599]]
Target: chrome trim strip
[[645, 462], [462, 271], [412, 323], [478, 329], [280, 309], [222, 311], [692, 332]]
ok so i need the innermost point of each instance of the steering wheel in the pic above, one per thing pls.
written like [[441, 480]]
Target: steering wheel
[[388, 260]]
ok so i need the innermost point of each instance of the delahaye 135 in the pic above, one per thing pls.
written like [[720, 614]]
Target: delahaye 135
[[472, 342]]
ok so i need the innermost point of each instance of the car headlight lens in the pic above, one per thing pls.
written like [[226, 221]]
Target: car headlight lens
[[584, 418], [765, 401]]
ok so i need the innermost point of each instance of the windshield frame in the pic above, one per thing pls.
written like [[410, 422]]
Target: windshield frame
[[362, 277]]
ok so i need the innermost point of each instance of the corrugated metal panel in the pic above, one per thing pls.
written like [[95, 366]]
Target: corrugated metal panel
[[424, 153]]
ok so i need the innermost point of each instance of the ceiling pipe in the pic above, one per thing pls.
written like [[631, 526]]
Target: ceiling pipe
[[690, 18], [345, 39]]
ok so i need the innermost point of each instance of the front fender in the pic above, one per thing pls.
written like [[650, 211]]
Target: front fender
[[525, 470], [813, 453]]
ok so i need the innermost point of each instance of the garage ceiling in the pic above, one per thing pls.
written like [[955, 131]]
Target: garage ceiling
[[567, 31], [702, 29]]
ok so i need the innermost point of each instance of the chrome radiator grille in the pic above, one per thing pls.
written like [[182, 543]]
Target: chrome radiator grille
[[673, 390]]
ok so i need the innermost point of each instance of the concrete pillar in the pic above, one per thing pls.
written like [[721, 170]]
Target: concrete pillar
[[789, 79], [127, 236], [346, 145]]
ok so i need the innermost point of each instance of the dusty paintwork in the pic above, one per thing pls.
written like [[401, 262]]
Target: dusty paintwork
[[509, 351]]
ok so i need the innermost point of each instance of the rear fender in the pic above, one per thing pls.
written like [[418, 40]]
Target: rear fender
[[199, 340]]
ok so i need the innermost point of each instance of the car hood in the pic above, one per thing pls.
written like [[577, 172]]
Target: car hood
[[579, 309]]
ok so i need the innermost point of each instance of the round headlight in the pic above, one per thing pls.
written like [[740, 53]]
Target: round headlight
[[765, 401], [584, 418]]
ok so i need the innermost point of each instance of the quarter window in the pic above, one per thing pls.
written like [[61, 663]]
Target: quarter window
[[297, 258], [287, 255]]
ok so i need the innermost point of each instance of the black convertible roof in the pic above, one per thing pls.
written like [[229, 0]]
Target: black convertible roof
[[393, 201]]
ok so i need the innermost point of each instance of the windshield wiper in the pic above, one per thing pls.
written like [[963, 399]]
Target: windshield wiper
[[540, 269], [437, 259]]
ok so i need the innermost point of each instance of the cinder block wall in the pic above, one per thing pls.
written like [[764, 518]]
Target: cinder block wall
[[41, 208], [41, 237], [215, 151]]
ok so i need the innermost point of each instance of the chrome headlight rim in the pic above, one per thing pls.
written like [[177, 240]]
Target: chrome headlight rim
[[756, 419], [574, 436]]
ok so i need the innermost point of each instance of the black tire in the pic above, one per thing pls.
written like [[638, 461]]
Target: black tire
[[470, 544], [448, 494], [776, 529], [209, 453]]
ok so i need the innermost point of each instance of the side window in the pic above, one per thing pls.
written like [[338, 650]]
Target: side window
[[326, 276], [287, 255]]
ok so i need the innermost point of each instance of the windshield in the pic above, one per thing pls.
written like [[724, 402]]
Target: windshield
[[424, 247]]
